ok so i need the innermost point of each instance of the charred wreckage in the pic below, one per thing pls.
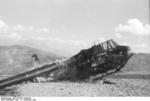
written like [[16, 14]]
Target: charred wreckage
[[101, 59]]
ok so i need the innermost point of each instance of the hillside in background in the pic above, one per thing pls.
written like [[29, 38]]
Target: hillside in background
[[138, 63], [16, 59]]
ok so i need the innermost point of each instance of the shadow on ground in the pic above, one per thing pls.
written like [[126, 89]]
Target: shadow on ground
[[9, 91]]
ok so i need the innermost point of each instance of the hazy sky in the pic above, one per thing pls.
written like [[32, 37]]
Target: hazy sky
[[66, 26]]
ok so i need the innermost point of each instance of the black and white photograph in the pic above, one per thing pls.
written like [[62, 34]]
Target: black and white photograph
[[74, 48]]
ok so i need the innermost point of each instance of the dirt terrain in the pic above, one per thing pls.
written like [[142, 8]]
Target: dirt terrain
[[109, 87]]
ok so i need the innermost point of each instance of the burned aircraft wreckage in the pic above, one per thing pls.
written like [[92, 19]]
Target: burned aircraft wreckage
[[99, 59]]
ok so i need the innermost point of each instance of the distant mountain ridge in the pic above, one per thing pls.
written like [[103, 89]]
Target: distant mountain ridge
[[139, 62], [16, 58]]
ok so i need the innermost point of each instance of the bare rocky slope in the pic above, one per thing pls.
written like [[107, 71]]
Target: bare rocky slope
[[16, 59]]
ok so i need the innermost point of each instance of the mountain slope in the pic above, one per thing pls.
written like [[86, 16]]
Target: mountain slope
[[138, 63], [16, 59]]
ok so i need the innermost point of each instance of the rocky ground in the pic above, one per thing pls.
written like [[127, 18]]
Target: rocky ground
[[111, 87]]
